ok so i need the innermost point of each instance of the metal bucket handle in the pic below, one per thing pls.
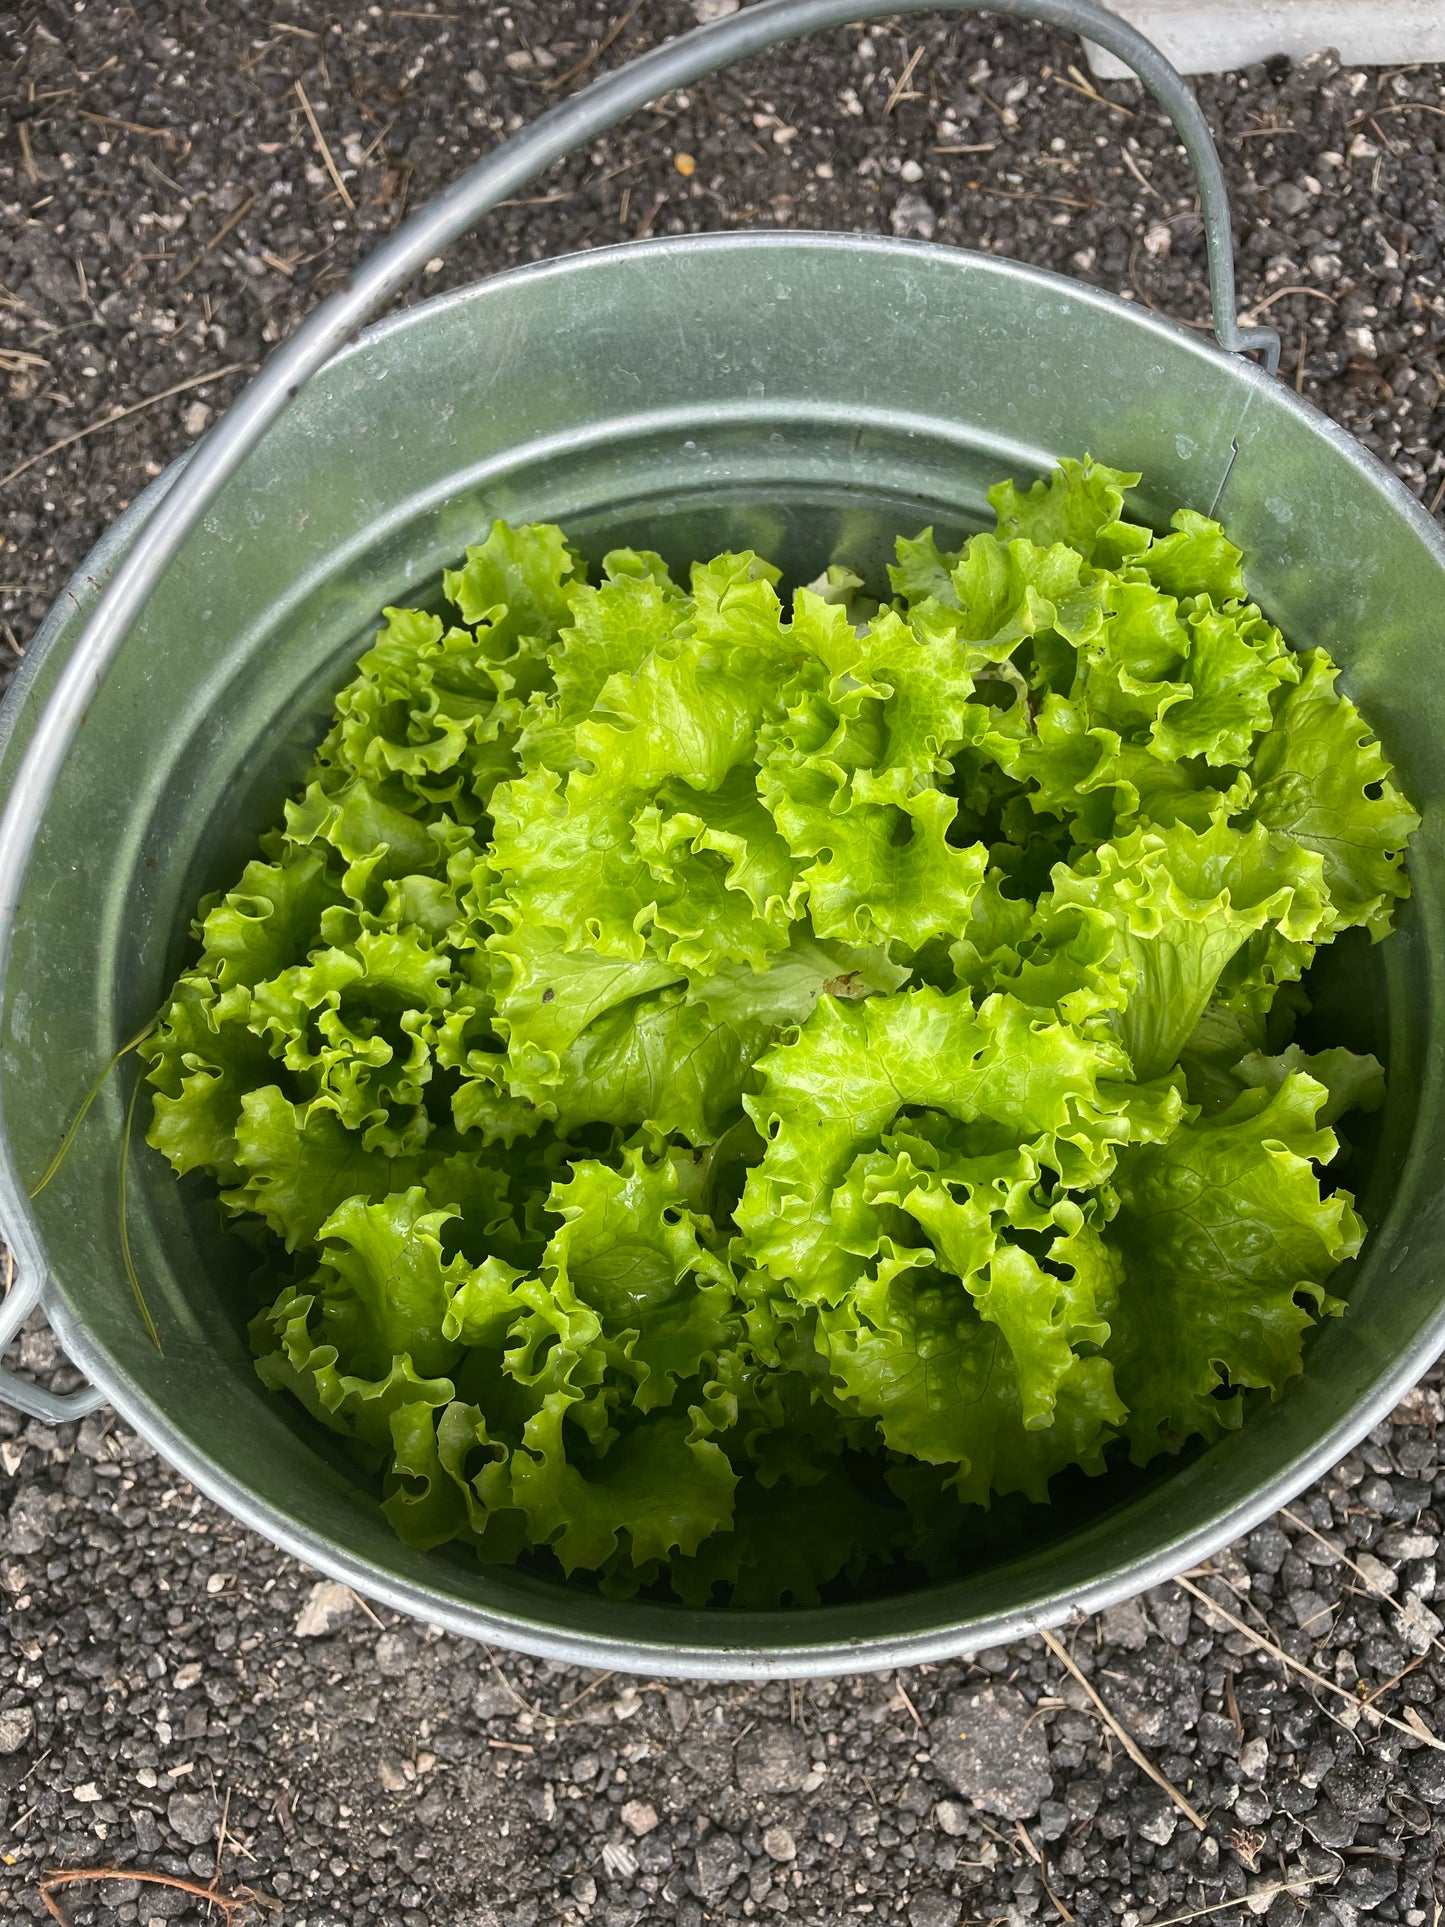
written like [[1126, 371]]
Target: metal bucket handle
[[476, 192]]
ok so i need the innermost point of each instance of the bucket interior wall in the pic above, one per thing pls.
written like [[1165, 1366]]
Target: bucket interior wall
[[738, 392]]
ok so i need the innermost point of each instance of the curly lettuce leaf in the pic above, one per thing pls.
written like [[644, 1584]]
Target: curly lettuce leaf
[[547, 994], [1321, 777], [610, 629], [627, 1241], [1196, 558], [852, 1069], [1163, 703], [730, 825], [376, 840], [384, 1284], [848, 776], [518, 581], [567, 854], [1182, 903], [998, 923], [360, 1027], [679, 1060], [1046, 1301], [1004, 599], [913, 1350], [273, 914], [292, 1355], [1237, 1062], [1081, 505], [430, 720], [879, 873], [1235, 663], [298, 1163], [1227, 1242], [1352, 1081], [204, 1057], [665, 1489]]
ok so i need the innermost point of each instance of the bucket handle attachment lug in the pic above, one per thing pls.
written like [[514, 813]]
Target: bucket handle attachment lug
[[53, 1408], [572, 123]]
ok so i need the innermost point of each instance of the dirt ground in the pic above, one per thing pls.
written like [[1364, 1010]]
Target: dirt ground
[[176, 1699]]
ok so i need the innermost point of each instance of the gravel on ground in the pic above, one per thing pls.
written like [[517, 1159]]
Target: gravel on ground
[[179, 1700]]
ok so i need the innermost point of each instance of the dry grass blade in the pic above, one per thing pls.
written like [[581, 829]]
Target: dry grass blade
[[902, 85], [553, 86], [1394, 1679], [130, 126], [220, 234], [1019, 194], [1080, 85], [1081, 79], [325, 152], [32, 172], [1415, 1720], [1305, 1672], [591, 1686], [368, 1609], [902, 1691], [221, 1839], [125, 1251], [1251, 315], [1302, 1885], [232, 1905], [1125, 1738], [8, 300], [1208, 1571], [1399, 107], [161, 175], [522, 1704], [1231, 1707], [91, 1095], [119, 415], [537, 200], [1345, 1560], [1138, 173], [1036, 1854], [644, 226]]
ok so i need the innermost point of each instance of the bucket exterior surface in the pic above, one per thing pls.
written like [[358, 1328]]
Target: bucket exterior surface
[[811, 397]]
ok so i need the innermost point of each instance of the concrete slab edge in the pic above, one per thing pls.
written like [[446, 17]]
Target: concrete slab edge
[[1218, 36]]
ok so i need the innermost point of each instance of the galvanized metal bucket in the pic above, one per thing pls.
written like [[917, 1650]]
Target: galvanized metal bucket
[[809, 395]]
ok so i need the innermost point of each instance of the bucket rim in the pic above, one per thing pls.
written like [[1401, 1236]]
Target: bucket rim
[[113, 538], [761, 1656]]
